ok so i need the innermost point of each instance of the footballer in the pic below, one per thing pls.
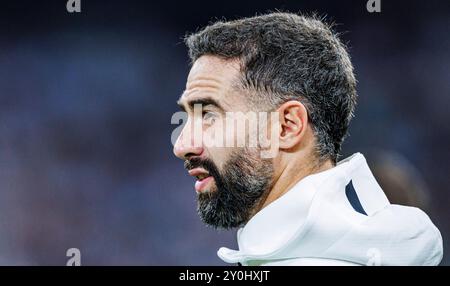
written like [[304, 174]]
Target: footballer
[[295, 204]]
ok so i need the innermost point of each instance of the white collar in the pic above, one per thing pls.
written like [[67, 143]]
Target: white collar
[[309, 219]]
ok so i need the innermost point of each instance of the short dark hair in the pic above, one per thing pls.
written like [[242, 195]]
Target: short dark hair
[[286, 56]]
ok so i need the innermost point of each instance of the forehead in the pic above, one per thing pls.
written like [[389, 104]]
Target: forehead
[[211, 76], [212, 67]]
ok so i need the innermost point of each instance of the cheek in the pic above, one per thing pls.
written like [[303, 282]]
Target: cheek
[[219, 156]]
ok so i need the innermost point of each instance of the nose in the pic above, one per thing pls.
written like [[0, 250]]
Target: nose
[[185, 146]]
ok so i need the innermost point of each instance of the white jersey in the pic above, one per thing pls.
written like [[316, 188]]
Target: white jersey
[[337, 217]]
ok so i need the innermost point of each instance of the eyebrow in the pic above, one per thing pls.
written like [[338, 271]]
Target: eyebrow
[[202, 101]]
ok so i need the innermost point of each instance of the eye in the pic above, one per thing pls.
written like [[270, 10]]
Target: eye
[[208, 117]]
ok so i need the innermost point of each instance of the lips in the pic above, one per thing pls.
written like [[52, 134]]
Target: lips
[[204, 180], [204, 185]]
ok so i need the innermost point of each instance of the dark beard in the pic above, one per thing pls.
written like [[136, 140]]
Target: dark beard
[[245, 182]]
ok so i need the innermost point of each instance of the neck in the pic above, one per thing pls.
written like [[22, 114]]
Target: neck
[[291, 175]]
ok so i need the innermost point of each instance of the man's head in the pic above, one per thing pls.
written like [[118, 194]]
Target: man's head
[[281, 62]]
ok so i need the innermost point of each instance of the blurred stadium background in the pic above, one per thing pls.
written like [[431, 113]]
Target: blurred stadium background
[[85, 107]]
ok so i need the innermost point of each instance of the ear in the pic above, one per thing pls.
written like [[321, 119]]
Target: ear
[[293, 122]]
